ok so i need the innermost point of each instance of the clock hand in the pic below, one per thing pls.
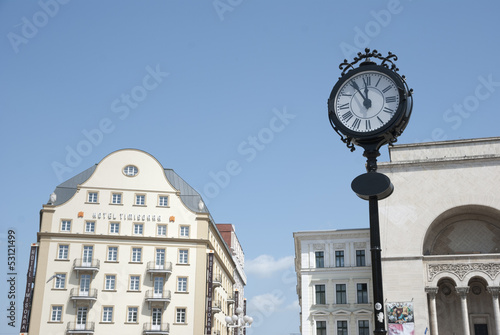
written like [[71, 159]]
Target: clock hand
[[356, 87], [367, 102]]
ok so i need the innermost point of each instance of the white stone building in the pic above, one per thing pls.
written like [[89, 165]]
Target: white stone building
[[440, 239], [334, 281], [126, 247]]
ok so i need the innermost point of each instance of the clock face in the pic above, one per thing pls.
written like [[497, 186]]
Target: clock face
[[367, 101]]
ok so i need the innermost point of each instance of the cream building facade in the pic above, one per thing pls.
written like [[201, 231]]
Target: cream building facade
[[334, 281], [129, 247]]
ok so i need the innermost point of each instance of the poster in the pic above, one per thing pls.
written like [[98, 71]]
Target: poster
[[400, 318]]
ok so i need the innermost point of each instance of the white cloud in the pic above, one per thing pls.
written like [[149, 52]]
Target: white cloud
[[265, 265]]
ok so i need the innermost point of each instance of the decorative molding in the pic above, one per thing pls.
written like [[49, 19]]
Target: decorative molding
[[431, 291], [463, 269], [359, 245], [319, 246], [339, 245]]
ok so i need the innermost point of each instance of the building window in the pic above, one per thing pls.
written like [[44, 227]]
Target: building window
[[363, 327], [140, 199], [183, 256], [134, 283], [92, 197], [107, 314], [138, 228], [60, 281], [180, 315], [320, 259], [66, 225], [109, 283], [320, 294], [161, 230], [163, 201], [56, 314], [342, 328], [114, 228], [132, 314], [130, 171], [116, 198], [112, 254], [63, 251], [182, 284], [362, 293], [340, 294], [136, 255], [360, 258], [320, 327], [90, 227], [339, 258], [184, 231]]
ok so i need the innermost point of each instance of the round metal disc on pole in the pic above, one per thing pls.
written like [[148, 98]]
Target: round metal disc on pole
[[372, 184]]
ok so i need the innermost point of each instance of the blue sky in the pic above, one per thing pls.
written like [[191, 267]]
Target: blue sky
[[232, 95]]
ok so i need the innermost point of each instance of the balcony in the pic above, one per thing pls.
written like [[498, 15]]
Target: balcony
[[163, 297], [162, 269], [230, 299], [217, 281], [150, 328], [88, 296], [84, 265], [80, 328], [216, 307]]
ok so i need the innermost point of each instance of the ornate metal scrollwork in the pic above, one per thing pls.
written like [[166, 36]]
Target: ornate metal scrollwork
[[390, 58]]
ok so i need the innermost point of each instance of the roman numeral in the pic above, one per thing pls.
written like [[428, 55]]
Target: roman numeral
[[378, 81], [347, 116], [344, 106], [390, 99], [356, 123], [378, 118], [386, 89], [367, 81], [368, 125], [388, 110]]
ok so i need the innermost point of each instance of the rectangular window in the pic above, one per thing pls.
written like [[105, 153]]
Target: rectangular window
[[161, 230], [140, 199], [183, 256], [360, 258], [116, 198], [136, 255], [109, 283], [132, 314], [362, 293], [56, 314], [363, 327], [182, 284], [90, 227], [112, 254], [92, 197], [320, 259], [63, 251], [163, 201], [320, 327], [341, 327], [114, 228], [107, 314], [320, 294], [339, 258], [66, 225], [180, 315], [138, 228], [184, 231], [60, 281], [134, 283], [340, 294]]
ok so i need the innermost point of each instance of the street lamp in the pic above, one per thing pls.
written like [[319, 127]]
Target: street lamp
[[239, 321]]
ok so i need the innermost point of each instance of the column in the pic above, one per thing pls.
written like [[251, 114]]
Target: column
[[462, 292], [495, 290], [432, 291]]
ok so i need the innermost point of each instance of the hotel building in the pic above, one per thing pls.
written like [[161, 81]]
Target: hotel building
[[128, 246]]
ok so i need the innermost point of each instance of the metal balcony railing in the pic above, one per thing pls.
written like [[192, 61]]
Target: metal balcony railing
[[149, 328], [80, 328]]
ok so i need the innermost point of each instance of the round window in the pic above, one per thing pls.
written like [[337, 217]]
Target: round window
[[130, 170]]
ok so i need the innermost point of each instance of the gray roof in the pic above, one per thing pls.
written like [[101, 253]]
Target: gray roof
[[189, 196]]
